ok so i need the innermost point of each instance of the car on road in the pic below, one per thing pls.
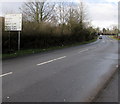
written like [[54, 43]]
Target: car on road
[[100, 37]]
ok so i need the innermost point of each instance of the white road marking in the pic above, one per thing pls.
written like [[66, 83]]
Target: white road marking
[[8, 97], [6, 74], [83, 51], [116, 66], [112, 40], [51, 60], [64, 100], [93, 47]]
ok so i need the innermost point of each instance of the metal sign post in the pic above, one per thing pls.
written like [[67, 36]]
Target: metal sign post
[[18, 40], [9, 41]]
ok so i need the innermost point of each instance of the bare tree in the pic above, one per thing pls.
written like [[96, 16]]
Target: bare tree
[[72, 16], [104, 30], [77, 16], [37, 11], [83, 15], [115, 29], [61, 12], [62, 15]]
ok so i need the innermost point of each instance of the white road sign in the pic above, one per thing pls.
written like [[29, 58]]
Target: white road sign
[[13, 22]]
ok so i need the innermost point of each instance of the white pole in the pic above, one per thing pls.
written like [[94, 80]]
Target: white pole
[[18, 40]]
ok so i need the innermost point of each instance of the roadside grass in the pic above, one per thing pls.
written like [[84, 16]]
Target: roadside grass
[[114, 37], [33, 51]]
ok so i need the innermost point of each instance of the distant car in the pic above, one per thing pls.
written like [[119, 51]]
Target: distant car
[[100, 37]]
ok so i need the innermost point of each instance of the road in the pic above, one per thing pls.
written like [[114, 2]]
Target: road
[[74, 74], [110, 92]]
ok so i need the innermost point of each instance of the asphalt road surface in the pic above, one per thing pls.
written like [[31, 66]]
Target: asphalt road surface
[[74, 74], [110, 92]]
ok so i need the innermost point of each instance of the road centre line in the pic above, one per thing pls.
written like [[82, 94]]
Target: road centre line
[[83, 50], [46, 62], [116, 66], [93, 47], [6, 74]]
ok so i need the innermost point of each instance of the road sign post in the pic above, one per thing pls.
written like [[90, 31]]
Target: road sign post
[[13, 22], [18, 40], [9, 41]]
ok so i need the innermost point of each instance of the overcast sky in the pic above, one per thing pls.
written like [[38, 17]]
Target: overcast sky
[[103, 13]]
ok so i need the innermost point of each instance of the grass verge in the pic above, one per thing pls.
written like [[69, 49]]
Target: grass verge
[[114, 37], [33, 51]]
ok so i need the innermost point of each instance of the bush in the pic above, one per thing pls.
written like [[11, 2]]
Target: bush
[[44, 35]]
